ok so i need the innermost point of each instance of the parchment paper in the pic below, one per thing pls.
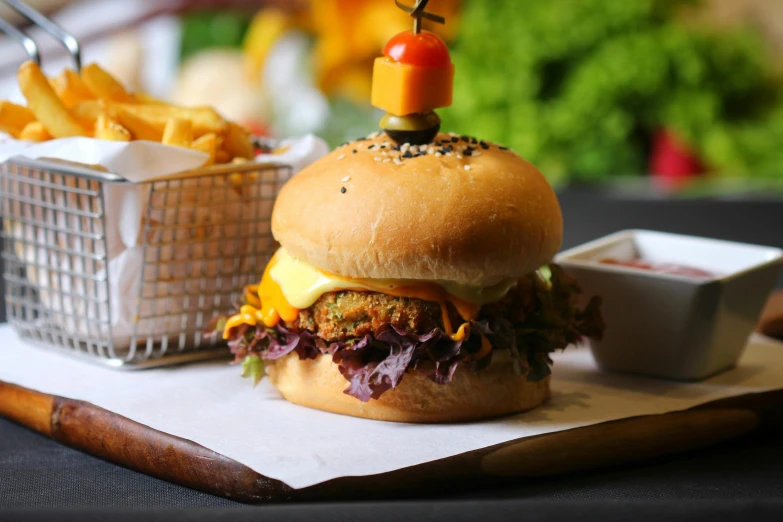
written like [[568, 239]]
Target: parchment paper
[[125, 208], [211, 405]]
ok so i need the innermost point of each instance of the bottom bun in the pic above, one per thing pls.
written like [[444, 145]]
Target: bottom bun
[[496, 390]]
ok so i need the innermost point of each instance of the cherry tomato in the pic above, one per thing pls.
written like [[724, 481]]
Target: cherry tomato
[[425, 49]]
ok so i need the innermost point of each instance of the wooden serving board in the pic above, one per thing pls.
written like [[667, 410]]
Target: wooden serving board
[[117, 439]]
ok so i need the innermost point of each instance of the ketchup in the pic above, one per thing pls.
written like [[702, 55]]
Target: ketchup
[[661, 268]]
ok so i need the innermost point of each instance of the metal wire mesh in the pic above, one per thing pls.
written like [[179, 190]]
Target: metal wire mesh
[[204, 237]]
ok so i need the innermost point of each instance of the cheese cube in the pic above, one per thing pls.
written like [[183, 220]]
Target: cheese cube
[[402, 89]]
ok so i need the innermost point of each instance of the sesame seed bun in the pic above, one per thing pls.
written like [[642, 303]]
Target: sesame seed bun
[[472, 216], [494, 391]]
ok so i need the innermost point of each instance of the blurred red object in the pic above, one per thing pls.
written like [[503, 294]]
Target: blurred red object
[[257, 128], [672, 158]]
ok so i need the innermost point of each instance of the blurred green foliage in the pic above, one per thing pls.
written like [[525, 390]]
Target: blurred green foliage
[[206, 29], [580, 86]]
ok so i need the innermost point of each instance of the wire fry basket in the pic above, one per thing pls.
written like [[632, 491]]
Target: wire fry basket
[[132, 290], [203, 237]]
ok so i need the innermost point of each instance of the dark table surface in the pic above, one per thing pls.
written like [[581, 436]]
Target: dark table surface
[[741, 480]]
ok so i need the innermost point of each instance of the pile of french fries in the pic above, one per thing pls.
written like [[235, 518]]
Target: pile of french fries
[[93, 103]]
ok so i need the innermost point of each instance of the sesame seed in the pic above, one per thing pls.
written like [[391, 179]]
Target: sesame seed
[[454, 139], [397, 161], [387, 160], [467, 152], [438, 154], [341, 156], [459, 156], [383, 146], [342, 189], [405, 146], [371, 146], [346, 178], [467, 167], [484, 145], [465, 138], [503, 148], [474, 141], [407, 154], [377, 158], [354, 151]]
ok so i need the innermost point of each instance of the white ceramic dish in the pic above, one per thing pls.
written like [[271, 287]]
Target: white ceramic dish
[[667, 325]]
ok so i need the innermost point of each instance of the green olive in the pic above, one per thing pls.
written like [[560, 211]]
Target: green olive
[[416, 129], [410, 122]]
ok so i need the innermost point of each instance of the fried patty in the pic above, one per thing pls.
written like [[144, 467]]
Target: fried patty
[[339, 316]]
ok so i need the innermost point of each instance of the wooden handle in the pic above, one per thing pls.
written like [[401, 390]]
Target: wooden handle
[[139, 447], [27, 407], [117, 439]]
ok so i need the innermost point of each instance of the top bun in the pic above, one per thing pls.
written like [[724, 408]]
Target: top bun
[[366, 210]]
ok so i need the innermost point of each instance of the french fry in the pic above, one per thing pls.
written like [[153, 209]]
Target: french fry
[[237, 179], [35, 131], [141, 97], [44, 103], [203, 119], [178, 132], [13, 118], [222, 156], [108, 129], [140, 128], [237, 142], [103, 85], [94, 103], [207, 143], [71, 89], [87, 112]]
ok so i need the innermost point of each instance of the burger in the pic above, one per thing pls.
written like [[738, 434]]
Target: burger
[[413, 283], [414, 280]]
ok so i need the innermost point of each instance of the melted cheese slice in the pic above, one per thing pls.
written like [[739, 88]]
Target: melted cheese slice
[[290, 284]]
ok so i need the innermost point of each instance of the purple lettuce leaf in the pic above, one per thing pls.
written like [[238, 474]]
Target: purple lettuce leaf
[[371, 371]]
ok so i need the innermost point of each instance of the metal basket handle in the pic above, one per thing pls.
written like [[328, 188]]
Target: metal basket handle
[[22, 39], [66, 38]]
